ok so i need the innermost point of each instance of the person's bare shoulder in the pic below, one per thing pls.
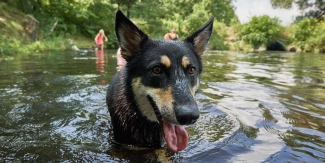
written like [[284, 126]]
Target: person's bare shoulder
[[167, 37]]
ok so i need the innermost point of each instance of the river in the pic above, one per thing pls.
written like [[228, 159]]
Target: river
[[255, 107]]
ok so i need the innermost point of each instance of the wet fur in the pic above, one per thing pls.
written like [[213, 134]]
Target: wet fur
[[136, 119], [130, 127]]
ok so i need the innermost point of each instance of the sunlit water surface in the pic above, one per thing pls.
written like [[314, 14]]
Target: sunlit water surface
[[256, 107]]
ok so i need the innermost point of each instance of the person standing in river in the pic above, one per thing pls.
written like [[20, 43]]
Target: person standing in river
[[172, 35], [99, 39]]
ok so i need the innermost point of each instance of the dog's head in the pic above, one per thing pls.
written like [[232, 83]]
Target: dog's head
[[164, 76]]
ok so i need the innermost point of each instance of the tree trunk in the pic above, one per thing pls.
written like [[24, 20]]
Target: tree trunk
[[30, 25], [128, 9]]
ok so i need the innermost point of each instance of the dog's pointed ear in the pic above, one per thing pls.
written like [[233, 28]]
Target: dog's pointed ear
[[129, 36], [200, 38]]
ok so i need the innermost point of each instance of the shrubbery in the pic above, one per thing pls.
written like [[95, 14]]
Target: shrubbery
[[217, 41], [14, 46], [309, 35], [260, 30], [81, 23]]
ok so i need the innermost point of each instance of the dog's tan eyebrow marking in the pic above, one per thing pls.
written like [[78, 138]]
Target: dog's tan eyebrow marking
[[185, 61], [165, 60]]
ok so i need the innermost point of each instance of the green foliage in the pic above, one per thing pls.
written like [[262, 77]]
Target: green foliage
[[36, 46], [75, 17], [101, 16], [198, 17], [222, 10], [112, 41], [159, 17], [302, 31], [308, 35], [219, 35], [282, 3], [260, 30], [310, 8], [12, 46], [151, 18]]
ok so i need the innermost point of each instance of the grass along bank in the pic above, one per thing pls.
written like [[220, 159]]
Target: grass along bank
[[14, 38]]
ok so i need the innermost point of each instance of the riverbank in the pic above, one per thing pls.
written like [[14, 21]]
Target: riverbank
[[22, 33], [15, 37]]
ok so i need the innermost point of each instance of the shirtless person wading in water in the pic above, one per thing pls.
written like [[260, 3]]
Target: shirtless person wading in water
[[171, 36]]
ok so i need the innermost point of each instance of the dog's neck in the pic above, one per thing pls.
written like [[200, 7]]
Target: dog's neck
[[129, 125]]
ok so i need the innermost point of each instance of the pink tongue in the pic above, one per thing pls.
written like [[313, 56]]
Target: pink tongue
[[176, 137]]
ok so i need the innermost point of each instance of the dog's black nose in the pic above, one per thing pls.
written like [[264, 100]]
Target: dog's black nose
[[187, 115]]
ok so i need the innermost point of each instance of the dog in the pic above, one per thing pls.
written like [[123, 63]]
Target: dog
[[153, 96]]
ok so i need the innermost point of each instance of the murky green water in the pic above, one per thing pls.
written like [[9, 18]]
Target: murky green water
[[264, 107]]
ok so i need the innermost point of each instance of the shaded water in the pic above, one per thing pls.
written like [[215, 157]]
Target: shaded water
[[264, 107]]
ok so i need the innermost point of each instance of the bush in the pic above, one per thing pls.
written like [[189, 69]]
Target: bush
[[308, 35], [217, 41], [260, 30]]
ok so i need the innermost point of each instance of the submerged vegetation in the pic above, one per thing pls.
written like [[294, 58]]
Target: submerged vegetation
[[57, 21]]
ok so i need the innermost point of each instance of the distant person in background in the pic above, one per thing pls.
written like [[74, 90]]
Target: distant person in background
[[171, 36], [99, 39], [120, 60]]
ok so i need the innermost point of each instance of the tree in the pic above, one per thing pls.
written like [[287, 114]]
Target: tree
[[222, 10], [313, 8], [260, 30], [156, 17], [125, 5], [160, 16], [308, 35]]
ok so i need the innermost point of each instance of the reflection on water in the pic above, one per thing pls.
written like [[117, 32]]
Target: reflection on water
[[258, 107], [100, 62]]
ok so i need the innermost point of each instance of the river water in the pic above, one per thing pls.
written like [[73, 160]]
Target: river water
[[255, 107]]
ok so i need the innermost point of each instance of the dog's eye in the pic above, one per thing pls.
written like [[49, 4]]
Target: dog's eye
[[157, 70], [191, 70]]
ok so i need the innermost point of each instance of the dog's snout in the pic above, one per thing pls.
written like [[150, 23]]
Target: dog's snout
[[187, 115]]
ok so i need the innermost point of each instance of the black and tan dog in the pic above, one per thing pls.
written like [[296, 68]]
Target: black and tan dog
[[152, 97]]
